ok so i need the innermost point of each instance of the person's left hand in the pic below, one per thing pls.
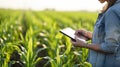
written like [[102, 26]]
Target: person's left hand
[[78, 43]]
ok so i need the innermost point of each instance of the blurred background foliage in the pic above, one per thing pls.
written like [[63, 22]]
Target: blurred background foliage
[[32, 38]]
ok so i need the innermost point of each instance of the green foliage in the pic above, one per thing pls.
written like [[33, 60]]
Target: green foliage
[[29, 54], [34, 37]]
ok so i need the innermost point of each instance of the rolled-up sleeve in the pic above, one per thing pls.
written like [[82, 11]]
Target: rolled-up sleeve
[[112, 32]]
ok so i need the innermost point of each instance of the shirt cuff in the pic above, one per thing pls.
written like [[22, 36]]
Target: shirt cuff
[[109, 48]]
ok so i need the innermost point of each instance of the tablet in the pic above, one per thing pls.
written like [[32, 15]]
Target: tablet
[[70, 33]]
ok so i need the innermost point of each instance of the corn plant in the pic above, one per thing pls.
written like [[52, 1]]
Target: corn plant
[[35, 38], [29, 54]]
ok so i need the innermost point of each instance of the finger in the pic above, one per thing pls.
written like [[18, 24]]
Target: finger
[[79, 39], [83, 33], [76, 38], [78, 32]]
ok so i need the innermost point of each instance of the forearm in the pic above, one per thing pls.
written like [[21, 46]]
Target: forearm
[[95, 47]]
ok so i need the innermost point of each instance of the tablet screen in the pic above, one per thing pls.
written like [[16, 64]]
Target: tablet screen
[[68, 32], [71, 33]]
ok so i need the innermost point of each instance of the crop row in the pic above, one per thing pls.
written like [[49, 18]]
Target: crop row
[[32, 39]]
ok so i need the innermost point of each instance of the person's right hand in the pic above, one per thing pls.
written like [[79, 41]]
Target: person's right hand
[[87, 35]]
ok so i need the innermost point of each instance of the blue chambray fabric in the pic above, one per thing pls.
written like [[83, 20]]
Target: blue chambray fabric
[[107, 35]]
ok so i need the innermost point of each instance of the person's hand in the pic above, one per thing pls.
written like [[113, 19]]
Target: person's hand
[[78, 43], [83, 34]]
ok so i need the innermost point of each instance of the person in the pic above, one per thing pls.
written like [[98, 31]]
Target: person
[[104, 49]]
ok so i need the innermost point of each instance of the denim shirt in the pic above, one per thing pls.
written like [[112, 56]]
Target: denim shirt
[[107, 35]]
